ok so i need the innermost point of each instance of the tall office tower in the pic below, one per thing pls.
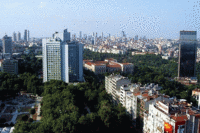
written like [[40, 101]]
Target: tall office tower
[[85, 36], [80, 35], [136, 37], [187, 54], [7, 44], [96, 34], [109, 35], [18, 36], [14, 38], [102, 35], [62, 59], [25, 35], [123, 34], [144, 38], [28, 35]]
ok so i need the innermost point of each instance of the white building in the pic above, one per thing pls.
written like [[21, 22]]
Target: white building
[[62, 60], [18, 36], [174, 116], [112, 85]]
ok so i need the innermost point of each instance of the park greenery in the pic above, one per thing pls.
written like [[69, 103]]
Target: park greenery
[[64, 105], [63, 110], [151, 68]]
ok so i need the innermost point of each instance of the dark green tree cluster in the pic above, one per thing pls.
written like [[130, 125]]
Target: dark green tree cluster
[[31, 83], [64, 110], [166, 67], [30, 64], [9, 85]]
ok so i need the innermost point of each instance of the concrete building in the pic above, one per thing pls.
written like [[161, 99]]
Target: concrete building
[[62, 59], [14, 38], [25, 36], [18, 36], [174, 116], [187, 54], [112, 86], [196, 95], [9, 66], [7, 44]]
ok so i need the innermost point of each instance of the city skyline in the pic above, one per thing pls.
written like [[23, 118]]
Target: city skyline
[[153, 19]]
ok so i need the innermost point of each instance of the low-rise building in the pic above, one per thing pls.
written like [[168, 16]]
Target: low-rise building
[[174, 116], [196, 95], [9, 66], [108, 65], [136, 99]]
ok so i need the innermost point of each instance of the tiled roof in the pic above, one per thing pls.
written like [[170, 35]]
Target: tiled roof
[[98, 62], [116, 65], [180, 118]]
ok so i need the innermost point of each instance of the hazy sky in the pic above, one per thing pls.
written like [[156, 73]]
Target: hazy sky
[[153, 18]]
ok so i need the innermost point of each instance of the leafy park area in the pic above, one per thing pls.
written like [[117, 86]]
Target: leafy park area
[[63, 105]]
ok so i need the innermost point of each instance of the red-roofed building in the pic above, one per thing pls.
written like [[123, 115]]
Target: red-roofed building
[[174, 116], [108, 65]]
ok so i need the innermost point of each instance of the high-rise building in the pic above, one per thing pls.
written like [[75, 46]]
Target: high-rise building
[[187, 54], [136, 37], [80, 35], [18, 36], [28, 36], [25, 35], [62, 59], [14, 38], [7, 44]]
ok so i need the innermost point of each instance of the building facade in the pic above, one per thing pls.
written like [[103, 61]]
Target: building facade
[[7, 44], [112, 86], [174, 116], [62, 59], [25, 35], [18, 36], [14, 38], [108, 65], [9, 66], [187, 54]]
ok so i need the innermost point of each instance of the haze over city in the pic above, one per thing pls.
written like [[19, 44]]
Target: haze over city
[[150, 18]]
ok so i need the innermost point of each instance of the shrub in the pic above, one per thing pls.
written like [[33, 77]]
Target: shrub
[[25, 117], [30, 120], [32, 111]]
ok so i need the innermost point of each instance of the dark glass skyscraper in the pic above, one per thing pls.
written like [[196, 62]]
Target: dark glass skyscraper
[[187, 54]]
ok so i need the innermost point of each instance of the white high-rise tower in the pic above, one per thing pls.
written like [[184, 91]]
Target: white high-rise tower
[[62, 59]]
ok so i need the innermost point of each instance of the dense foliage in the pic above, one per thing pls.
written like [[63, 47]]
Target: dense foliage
[[30, 64], [152, 69], [63, 110]]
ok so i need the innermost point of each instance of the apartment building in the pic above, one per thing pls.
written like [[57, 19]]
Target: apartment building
[[136, 98], [112, 86], [174, 116], [196, 95]]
